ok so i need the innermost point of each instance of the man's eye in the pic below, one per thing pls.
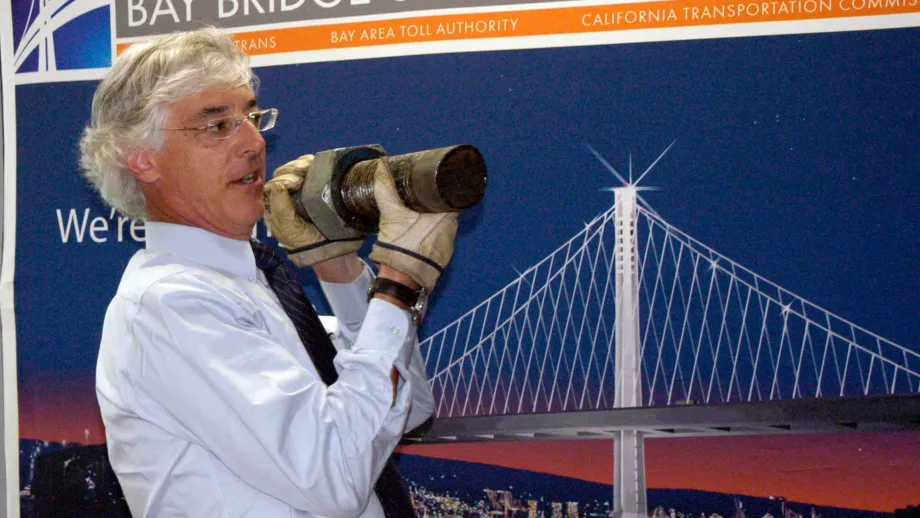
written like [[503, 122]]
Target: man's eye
[[256, 119], [219, 128]]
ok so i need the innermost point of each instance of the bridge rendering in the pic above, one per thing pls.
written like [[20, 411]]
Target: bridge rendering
[[634, 329]]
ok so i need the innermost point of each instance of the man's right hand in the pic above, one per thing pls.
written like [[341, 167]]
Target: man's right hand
[[305, 244], [416, 244]]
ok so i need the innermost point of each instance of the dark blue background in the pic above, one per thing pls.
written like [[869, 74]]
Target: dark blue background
[[796, 156]]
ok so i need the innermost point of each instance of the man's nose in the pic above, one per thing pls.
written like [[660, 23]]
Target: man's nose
[[250, 137]]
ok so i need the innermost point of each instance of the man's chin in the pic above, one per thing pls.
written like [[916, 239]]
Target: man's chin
[[246, 223], [255, 219]]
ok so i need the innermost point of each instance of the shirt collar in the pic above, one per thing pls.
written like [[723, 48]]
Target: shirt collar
[[200, 246]]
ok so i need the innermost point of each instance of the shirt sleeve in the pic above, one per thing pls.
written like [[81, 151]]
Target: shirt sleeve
[[206, 359], [349, 303]]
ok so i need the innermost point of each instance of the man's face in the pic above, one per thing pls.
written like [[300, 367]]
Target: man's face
[[202, 182]]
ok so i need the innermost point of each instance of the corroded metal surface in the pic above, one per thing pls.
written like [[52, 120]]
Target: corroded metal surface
[[339, 193]]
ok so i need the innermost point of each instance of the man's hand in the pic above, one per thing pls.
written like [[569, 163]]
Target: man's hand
[[305, 244], [418, 245]]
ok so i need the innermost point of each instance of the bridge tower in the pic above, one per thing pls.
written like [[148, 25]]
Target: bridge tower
[[629, 499]]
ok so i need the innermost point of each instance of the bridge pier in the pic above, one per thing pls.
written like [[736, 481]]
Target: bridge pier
[[629, 495], [629, 480]]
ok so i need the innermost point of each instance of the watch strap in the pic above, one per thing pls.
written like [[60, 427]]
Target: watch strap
[[397, 290], [416, 299]]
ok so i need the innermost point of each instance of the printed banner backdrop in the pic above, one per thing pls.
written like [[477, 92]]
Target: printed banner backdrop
[[794, 153]]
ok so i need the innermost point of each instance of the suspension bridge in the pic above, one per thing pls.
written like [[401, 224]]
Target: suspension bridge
[[634, 329]]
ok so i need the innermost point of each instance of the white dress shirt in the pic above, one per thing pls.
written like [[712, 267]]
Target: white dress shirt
[[212, 406]]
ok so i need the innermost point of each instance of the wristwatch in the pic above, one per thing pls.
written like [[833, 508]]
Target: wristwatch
[[416, 299]]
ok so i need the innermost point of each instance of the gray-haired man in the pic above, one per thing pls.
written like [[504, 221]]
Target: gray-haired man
[[211, 403]]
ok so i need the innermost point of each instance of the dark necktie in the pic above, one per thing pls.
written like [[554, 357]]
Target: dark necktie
[[390, 488]]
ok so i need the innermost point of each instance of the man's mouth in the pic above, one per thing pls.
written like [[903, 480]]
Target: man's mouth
[[250, 178], [256, 168]]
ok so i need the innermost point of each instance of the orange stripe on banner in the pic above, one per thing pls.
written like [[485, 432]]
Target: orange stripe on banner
[[561, 20]]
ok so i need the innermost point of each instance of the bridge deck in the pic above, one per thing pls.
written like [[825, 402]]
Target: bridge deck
[[823, 415]]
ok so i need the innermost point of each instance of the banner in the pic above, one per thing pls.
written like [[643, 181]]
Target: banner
[[77, 40], [781, 134], [516, 22]]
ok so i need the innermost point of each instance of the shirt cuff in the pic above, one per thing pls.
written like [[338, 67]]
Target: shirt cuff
[[385, 328]]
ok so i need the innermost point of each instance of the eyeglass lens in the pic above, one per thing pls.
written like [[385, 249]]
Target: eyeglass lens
[[262, 120]]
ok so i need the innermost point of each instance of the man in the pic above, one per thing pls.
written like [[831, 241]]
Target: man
[[212, 403]]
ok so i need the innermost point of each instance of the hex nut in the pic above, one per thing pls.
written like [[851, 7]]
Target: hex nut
[[316, 197]]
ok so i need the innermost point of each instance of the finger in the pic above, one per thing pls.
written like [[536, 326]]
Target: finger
[[385, 193], [279, 207], [290, 181], [298, 167]]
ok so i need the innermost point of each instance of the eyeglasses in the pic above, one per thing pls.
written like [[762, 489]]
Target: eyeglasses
[[227, 127]]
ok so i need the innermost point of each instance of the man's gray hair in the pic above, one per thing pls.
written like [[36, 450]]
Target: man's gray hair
[[131, 104]]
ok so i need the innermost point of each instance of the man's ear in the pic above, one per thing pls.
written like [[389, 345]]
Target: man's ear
[[142, 164]]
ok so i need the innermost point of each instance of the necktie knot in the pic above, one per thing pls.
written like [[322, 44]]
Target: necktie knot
[[266, 258]]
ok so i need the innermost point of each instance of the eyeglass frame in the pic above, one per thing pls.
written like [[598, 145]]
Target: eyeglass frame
[[237, 123]]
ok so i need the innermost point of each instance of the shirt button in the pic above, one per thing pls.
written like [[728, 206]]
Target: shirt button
[[394, 331]]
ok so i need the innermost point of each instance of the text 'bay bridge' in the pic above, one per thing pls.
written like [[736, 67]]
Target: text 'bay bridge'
[[633, 328]]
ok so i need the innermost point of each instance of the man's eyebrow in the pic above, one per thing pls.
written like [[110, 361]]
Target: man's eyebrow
[[208, 111]]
